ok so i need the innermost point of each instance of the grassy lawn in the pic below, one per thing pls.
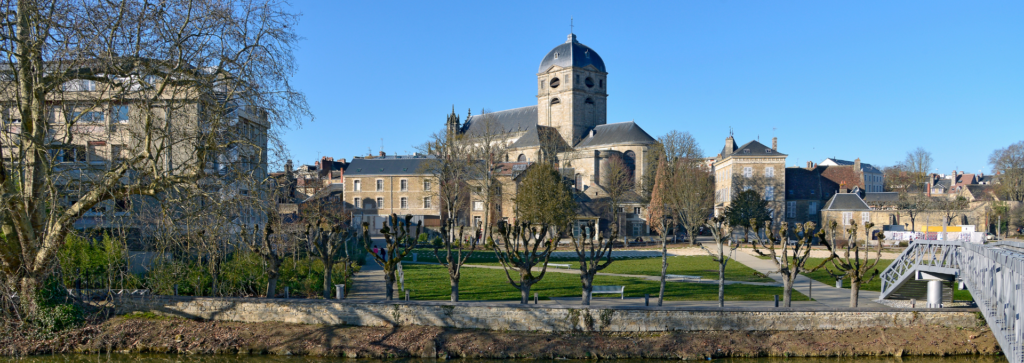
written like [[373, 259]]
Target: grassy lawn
[[702, 266], [430, 282]]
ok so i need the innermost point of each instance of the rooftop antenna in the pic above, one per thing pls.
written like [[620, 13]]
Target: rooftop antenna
[[773, 132], [382, 144], [570, 25], [730, 131]]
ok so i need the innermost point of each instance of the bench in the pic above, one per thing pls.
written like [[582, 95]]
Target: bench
[[684, 277], [562, 265], [609, 289]]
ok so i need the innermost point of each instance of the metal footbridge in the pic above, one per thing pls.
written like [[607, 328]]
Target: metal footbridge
[[993, 273]]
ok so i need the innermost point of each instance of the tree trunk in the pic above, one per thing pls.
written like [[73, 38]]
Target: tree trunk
[[524, 290], [787, 291], [588, 287], [328, 269], [854, 292], [721, 280], [29, 287], [389, 289], [664, 268], [455, 289], [272, 287]]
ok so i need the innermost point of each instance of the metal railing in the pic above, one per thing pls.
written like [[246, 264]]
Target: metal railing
[[994, 273], [921, 255]]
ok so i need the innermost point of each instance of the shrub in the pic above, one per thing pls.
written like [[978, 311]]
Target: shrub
[[55, 310]]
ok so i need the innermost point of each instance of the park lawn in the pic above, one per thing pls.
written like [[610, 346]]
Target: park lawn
[[703, 266], [430, 282]]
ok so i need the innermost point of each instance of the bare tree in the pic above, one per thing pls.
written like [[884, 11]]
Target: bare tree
[[918, 163], [488, 149], [522, 248], [455, 254], [913, 204], [691, 194], [1009, 161], [950, 207], [722, 233], [854, 267], [398, 243], [790, 261], [263, 245], [658, 217], [591, 248], [188, 70], [618, 180], [328, 239]]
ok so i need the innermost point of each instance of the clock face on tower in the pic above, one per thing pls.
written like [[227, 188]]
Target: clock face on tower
[[589, 82], [555, 82]]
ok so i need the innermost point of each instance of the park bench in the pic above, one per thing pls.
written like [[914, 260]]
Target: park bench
[[609, 289], [561, 265], [684, 277]]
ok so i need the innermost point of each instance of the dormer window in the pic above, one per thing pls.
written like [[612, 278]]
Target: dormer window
[[746, 151], [556, 55], [769, 151]]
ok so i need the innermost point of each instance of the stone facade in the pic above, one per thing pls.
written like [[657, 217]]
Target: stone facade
[[377, 188], [497, 316], [751, 166]]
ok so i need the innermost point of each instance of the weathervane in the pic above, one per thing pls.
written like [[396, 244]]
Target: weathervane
[[570, 25]]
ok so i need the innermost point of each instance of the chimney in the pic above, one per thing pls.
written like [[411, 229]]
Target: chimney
[[929, 189], [342, 160], [382, 154], [288, 166], [856, 164], [729, 145], [775, 143], [810, 164]]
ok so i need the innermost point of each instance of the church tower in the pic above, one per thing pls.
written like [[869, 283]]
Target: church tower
[[572, 90]]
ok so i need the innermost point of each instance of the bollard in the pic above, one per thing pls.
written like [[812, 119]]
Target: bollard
[[339, 291], [175, 289], [414, 257], [406, 295], [776, 300], [810, 288], [199, 287], [286, 292], [647, 299], [839, 283], [535, 298], [913, 303]]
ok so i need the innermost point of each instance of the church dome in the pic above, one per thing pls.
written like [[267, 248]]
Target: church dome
[[571, 54]]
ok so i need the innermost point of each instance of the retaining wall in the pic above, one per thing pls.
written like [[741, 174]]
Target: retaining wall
[[499, 316]]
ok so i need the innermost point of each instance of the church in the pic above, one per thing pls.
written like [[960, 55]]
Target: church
[[569, 124]]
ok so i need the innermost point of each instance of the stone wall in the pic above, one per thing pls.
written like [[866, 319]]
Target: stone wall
[[498, 316]]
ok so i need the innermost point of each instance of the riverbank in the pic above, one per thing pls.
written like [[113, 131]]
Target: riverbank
[[148, 333]]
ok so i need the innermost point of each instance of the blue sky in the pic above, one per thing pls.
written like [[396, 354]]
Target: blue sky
[[844, 79]]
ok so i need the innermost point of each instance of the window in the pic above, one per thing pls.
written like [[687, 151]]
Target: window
[[357, 186], [790, 192], [746, 151], [769, 193], [426, 185], [521, 158], [769, 172], [865, 217], [426, 203], [620, 209], [357, 203], [380, 202], [554, 81], [95, 152], [404, 184], [122, 205], [476, 222], [380, 185], [589, 82], [555, 101], [79, 85], [404, 203], [600, 83], [847, 217], [812, 208], [746, 188], [748, 172], [478, 205], [790, 209], [636, 210], [119, 114], [88, 116]]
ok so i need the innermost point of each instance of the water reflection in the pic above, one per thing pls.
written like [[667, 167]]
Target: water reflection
[[169, 358]]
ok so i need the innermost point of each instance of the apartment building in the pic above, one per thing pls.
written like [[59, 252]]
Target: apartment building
[[380, 186], [752, 166]]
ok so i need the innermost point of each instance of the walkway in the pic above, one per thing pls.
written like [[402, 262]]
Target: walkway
[[368, 283], [826, 295]]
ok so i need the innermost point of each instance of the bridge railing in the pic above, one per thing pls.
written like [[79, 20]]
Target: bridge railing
[[994, 273], [930, 255]]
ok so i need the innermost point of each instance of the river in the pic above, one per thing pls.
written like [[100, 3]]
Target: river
[[159, 358]]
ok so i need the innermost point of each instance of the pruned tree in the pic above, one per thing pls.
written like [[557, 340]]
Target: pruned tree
[[747, 211], [263, 245], [399, 241], [721, 231], [453, 168], [594, 252], [1009, 162], [188, 72], [854, 267], [521, 249], [790, 260], [328, 242]]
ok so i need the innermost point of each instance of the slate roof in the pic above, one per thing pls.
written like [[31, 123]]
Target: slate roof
[[535, 133], [846, 201], [392, 165], [882, 197], [513, 120], [329, 190], [572, 53], [622, 133], [806, 184], [754, 148]]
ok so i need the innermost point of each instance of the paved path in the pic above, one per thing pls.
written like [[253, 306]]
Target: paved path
[[826, 295], [368, 283]]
